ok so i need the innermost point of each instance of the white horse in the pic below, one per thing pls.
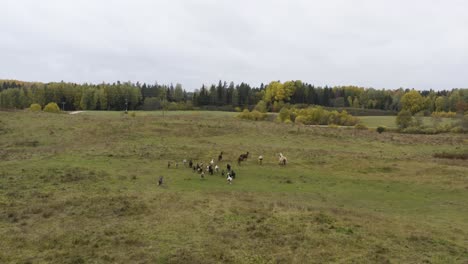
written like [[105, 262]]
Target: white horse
[[229, 178], [282, 159], [260, 159]]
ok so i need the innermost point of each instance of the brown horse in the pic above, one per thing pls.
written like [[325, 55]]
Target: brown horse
[[242, 157]]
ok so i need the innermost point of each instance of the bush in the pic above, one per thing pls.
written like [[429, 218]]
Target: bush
[[411, 130], [404, 119], [52, 108], [257, 115], [35, 107], [320, 116], [261, 106], [284, 115], [457, 129], [151, 103], [254, 115], [426, 130], [444, 114], [277, 106], [463, 123], [360, 126], [380, 129]]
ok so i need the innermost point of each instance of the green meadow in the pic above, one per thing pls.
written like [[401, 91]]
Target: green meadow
[[83, 189], [389, 121]]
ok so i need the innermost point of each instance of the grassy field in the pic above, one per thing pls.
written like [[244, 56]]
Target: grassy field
[[83, 189], [389, 121]]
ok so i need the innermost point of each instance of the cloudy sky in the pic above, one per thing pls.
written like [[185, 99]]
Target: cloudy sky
[[419, 44]]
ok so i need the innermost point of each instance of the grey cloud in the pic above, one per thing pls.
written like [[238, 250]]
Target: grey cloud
[[383, 44]]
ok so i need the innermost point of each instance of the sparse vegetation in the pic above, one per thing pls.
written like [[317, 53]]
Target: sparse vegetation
[[83, 188], [444, 155]]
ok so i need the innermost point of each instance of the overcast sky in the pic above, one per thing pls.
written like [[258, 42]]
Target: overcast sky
[[418, 44]]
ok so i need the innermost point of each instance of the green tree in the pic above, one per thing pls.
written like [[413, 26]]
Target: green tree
[[235, 98], [404, 119], [356, 103], [412, 101], [440, 104], [178, 93], [88, 100]]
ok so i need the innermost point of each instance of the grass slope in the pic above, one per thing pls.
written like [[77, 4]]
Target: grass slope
[[82, 188]]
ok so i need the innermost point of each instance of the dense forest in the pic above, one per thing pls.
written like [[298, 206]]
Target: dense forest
[[222, 96]]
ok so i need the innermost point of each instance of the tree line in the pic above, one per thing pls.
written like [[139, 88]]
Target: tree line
[[223, 96]]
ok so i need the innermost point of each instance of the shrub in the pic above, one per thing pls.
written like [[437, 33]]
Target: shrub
[[151, 103], [133, 114], [404, 119], [277, 106], [319, 116], [261, 106], [380, 129], [257, 115], [457, 129], [244, 114], [284, 115], [444, 114], [425, 130], [254, 115], [429, 130], [463, 123], [52, 108], [411, 130], [35, 107], [360, 126]]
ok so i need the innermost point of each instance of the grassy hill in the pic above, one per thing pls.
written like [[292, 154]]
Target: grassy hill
[[83, 188]]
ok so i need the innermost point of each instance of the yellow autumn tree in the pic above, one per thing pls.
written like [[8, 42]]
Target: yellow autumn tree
[[412, 101]]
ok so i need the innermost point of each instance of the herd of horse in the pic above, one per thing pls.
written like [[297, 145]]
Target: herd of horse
[[282, 159], [211, 168]]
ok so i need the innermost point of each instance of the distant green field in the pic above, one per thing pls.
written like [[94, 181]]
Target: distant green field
[[389, 121], [207, 114], [83, 189]]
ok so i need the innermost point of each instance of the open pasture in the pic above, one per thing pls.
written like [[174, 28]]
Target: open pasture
[[83, 189]]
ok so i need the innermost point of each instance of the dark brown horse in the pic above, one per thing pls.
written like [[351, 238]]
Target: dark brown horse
[[242, 157]]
